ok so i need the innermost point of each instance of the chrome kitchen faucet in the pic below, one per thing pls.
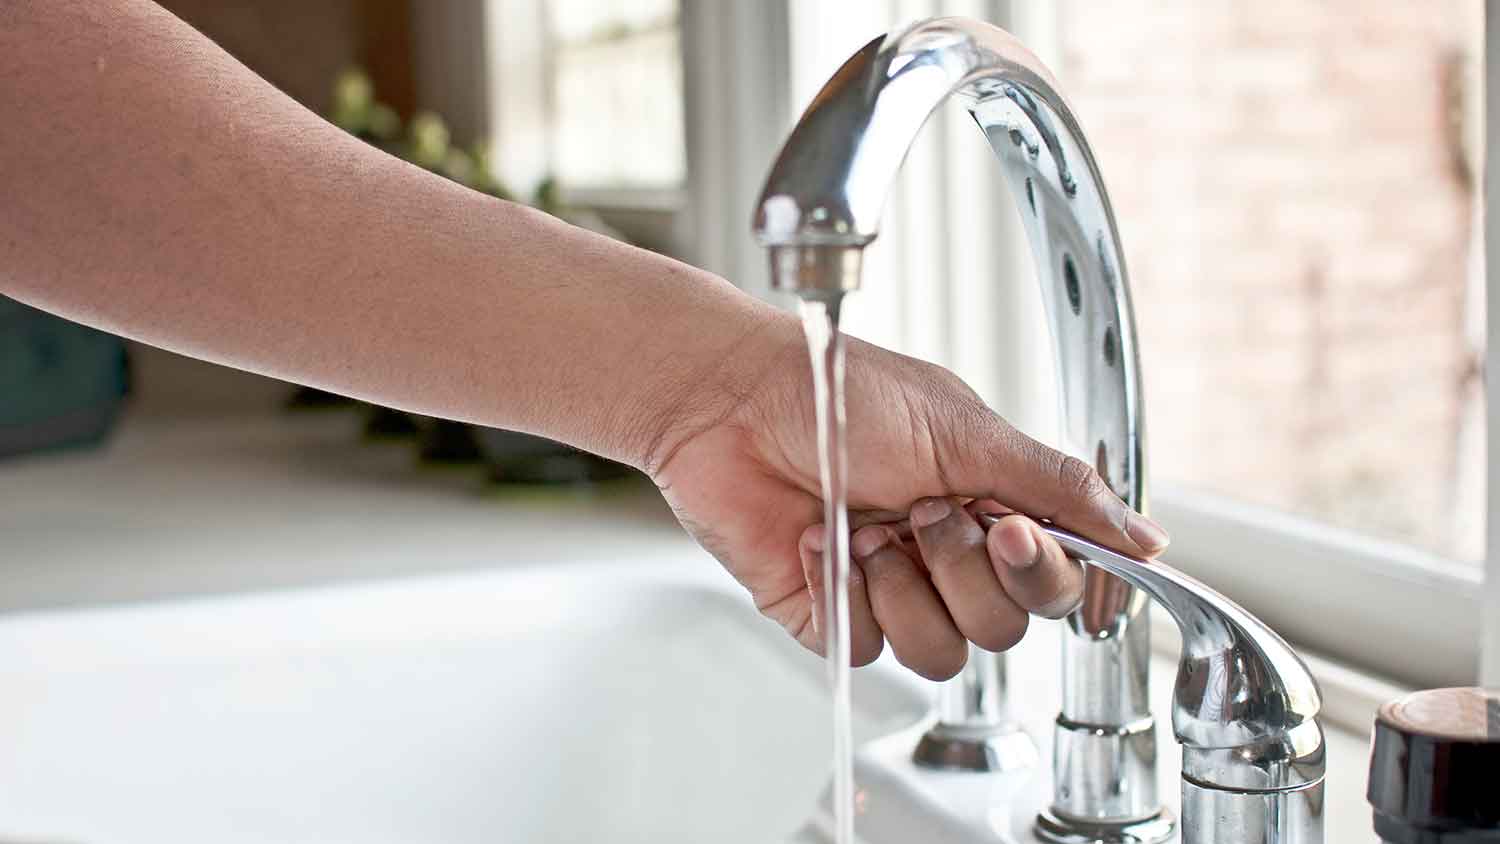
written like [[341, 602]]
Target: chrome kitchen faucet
[[1245, 706]]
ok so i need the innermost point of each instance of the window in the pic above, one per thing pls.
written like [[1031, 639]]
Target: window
[[589, 95], [1297, 189], [1298, 196], [617, 93]]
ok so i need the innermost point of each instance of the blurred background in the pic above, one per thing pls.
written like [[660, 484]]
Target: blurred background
[[1296, 186]]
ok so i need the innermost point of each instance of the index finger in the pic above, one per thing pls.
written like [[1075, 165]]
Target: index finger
[[995, 460]]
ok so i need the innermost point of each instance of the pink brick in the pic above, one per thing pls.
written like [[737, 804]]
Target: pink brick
[[1298, 241]]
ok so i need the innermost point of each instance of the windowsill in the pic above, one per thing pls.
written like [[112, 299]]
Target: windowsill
[[1389, 610], [621, 199]]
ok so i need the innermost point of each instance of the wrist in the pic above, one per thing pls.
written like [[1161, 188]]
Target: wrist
[[746, 347]]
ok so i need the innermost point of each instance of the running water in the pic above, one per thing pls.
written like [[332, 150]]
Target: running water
[[820, 322]]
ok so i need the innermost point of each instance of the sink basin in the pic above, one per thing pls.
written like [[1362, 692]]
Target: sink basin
[[582, 672], [576, 702]]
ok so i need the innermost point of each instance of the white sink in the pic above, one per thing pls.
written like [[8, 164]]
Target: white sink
[[578, 702], [566, 702], [535, 693]]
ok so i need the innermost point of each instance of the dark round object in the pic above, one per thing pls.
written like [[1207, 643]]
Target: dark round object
[[446, 441], [311, 398], [517, 458], [386, 423], [1435, 768]]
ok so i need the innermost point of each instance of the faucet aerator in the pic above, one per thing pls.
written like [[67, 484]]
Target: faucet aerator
[[815, 271]]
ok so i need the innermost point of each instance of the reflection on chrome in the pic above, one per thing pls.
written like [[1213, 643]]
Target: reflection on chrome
[[1245, 704]]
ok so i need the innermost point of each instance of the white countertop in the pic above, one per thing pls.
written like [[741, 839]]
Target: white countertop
[[212, 507]]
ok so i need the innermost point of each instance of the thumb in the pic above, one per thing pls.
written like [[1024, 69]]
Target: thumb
[[991, 459]]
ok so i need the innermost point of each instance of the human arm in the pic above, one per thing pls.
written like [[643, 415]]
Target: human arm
[[157, 189]]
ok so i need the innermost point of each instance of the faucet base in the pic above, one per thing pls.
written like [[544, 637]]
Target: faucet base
[[1058, 829], [1277, 816], [979, 749]]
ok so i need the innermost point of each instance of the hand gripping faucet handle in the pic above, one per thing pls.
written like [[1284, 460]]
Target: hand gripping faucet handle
[[1244, 709], [821, 206]]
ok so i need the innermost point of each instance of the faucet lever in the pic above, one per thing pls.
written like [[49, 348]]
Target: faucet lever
[[1244, 709], [1239, 683]]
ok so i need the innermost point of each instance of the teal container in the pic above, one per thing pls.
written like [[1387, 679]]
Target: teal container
[[61, 384]]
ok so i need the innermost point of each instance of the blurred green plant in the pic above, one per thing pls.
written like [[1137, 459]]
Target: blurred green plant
[[549, 197], [425, 141]]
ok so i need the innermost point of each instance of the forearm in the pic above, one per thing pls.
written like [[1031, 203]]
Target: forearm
[[156, 188]]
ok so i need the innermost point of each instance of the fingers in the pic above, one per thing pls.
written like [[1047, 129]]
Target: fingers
[[1000, 462], [860, 518], [953, 548], [907, 607], [865, 639], [1032, 567], [954, 581]]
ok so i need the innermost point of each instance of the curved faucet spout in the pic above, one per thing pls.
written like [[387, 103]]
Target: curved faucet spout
[[833, 194], [823, 200], [821, 206], [1243, 712]]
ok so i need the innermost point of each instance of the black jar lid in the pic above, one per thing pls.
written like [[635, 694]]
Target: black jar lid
[[1435, 768]]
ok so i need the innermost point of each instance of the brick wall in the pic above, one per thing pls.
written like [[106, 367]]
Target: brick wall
[[1295, 199]]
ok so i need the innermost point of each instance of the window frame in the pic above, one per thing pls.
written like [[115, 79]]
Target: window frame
[[619, 198], [1490, 645], [1377, 606], [651, 216], [735, 111], [1395, 611]]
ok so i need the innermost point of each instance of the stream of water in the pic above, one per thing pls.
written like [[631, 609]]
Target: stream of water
[[825, 346]]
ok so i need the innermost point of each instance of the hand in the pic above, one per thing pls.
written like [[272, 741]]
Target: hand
[[925, 455]]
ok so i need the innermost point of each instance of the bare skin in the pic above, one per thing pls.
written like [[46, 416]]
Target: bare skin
[[155, 188]]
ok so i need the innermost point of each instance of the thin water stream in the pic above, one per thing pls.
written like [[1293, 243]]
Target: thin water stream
[[825, 346]]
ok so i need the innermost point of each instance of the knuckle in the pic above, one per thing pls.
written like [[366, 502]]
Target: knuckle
[[1064, 602], [1078, 480], [953, 545], [891, 585], [957, 564], [941, 377], [858, 580], [1066, 587]]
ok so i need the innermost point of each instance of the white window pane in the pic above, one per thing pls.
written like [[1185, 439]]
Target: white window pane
[[619, 112], [618, 100], [1296, 190], [589, 20]]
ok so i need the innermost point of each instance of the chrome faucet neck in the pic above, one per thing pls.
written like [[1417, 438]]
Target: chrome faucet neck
[[821, 206]]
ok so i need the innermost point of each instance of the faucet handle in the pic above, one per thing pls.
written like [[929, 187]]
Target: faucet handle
[[1244, 704]]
